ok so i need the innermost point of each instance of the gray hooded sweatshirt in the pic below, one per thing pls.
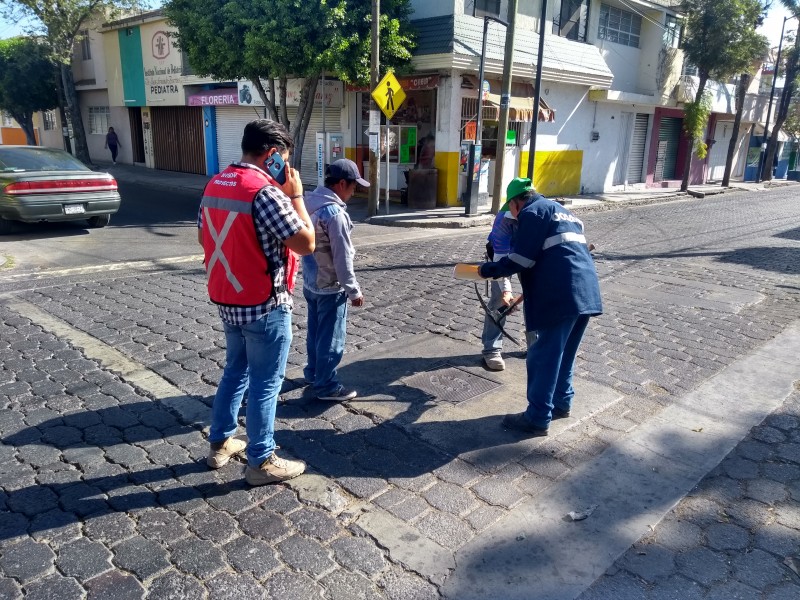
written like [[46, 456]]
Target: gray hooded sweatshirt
[[329, 270]]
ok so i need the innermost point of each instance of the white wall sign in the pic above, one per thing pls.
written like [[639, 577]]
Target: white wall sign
[[334, 93]]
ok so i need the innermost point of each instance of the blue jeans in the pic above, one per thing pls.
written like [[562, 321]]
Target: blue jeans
[[550, 364], [327, 325], [492, 337], [256, 356]]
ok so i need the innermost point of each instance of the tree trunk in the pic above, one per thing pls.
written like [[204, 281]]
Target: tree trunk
[[741, 90], [74, 115], [25, 121], [267, 99], [304, 111], [687, 163]]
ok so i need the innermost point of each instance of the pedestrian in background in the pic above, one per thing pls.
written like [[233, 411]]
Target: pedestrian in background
[[501, 294], [250, 228], [112, 143], [561, 292], [329, 279]]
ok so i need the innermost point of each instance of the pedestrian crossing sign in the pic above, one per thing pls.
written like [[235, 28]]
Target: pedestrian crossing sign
[[389, 96]]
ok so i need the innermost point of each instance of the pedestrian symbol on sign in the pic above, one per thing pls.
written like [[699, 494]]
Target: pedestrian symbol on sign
[[389, 96]]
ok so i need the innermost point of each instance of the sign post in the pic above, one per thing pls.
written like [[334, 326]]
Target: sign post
[[389, 96]]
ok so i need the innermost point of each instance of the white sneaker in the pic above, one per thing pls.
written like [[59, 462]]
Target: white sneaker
[[494, 362]]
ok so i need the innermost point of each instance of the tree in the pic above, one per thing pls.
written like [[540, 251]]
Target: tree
[[27, 81], [721, 41], [61, 23], [270, 41], [791, 71], [741, 91]]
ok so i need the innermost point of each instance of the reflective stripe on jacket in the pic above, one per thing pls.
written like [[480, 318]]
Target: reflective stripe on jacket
[[237, 269]]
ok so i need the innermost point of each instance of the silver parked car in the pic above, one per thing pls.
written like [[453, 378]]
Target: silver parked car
[[45, 184]]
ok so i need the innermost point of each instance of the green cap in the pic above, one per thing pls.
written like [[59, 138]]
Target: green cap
[[517, 187]]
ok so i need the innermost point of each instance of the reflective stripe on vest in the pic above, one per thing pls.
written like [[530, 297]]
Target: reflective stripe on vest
[[219, 239], [563, 238]]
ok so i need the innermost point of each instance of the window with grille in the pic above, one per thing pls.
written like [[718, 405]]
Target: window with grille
[[570, 19], [99, 117], [619, 26], [86, 48], [672, 32], [49, 119], [7, 120]]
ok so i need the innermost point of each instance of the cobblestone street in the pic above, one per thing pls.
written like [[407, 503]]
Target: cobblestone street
[[107, 377]]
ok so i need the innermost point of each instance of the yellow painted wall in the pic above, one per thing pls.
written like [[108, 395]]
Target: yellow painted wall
[[448, 165], [555, 173]]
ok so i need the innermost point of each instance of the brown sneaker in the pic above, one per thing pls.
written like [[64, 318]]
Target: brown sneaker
[[222, 452], [273, 470]]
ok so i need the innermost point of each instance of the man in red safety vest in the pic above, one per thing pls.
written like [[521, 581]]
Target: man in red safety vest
[[252, 228]]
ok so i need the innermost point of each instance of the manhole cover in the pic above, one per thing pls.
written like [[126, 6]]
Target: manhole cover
[[451, 384]]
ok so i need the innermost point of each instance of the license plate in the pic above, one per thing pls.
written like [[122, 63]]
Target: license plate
[[74, 209]]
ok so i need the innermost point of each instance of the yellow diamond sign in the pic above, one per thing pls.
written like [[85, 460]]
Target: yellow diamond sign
[[389, 96]]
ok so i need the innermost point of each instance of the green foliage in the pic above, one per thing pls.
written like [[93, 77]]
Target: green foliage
[[61, 22], [695, 119], [721, 40], [243, 39], [27, 77]]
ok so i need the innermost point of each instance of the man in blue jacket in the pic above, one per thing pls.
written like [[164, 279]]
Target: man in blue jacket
[[561, 292], [329, 279]]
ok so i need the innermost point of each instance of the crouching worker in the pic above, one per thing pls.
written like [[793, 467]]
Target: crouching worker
[[250, 227], [561, 292]]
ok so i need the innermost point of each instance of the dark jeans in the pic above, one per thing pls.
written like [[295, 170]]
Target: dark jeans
[[113, 149]]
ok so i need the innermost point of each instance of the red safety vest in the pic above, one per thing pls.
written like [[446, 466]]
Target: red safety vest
[[238, 271]]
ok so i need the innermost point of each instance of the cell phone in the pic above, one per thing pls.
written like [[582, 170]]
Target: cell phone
[[276, 167]]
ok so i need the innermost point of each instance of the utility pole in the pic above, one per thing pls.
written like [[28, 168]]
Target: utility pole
[[375, 116], [505, 101], [762, 169], [537, 92]]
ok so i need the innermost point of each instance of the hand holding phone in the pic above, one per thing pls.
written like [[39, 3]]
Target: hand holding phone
[[276, 167]]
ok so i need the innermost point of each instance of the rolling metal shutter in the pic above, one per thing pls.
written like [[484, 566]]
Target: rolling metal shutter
[[636, 154], [308, 168], [623, 147], [230, 126], [178, 139], [669, 136]]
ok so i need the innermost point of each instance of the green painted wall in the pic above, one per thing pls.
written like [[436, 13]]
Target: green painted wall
[[130, 52]]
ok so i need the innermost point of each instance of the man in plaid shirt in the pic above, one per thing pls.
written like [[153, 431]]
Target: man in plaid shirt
[[251, 228]]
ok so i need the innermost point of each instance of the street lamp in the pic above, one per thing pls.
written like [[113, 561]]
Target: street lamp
[[769, 106], [472, 191]]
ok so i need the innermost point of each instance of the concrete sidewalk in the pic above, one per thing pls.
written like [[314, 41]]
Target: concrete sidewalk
[[452, 217]]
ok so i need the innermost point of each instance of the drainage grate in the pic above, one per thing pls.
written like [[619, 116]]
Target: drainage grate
[[451, 384]]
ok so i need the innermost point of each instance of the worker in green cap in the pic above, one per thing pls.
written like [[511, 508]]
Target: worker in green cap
[[562, 292]]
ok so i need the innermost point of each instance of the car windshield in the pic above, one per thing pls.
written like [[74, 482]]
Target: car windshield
[[15, 160]]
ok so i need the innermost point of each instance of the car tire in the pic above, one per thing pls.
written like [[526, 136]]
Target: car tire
[[7, 226], [99, 221]]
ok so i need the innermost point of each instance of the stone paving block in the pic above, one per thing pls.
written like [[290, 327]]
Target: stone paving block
[[776, 538], [162, 525], [232, 498], [261, 523], [110, 528], [703, 565], [782, 472], [726, 536], [359, 554], [363, 487], [759, 569], [234, 586], [621, 586], [27, 560], [677, 587], [62, 436], [766, 491], [213, 525], [306, 556], [55, 527], [498, 494], [445, 529], [54, 587], [458, 472], [450, 498], [115, 585], [296, 586], [256, 557], [198, 557], [398, 585], [314, 523], [83, 559], [126, 455], [403, 504], [181, 498], [649, 562], [32, 500], [340, 584], [176, 586]]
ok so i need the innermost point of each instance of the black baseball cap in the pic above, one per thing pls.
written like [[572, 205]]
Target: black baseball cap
[[344, 168]]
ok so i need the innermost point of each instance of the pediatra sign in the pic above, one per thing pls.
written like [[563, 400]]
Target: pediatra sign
[[334, 93], [162, 67]]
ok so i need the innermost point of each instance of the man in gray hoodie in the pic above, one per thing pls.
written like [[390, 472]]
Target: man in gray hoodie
[[329, 280]]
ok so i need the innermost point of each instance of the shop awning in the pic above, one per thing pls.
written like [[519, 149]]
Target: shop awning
[[521, 109]]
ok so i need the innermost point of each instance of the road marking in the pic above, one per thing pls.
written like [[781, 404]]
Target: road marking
[[190, 410]]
